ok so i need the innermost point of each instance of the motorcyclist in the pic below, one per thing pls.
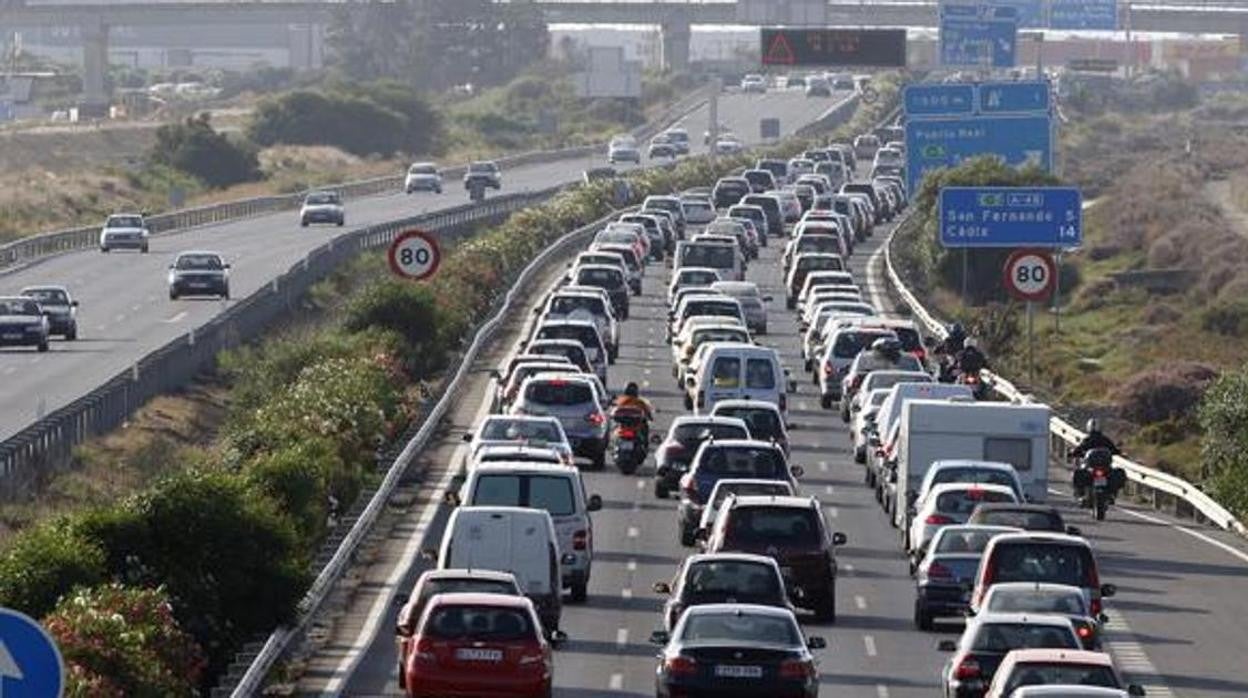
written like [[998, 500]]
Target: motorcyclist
[[947, 350], [970, 361], [632, 399], [1096, 449], [1094, 439]]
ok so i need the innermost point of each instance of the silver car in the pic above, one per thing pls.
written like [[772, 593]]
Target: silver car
[[517, 430], [753, 303], [574, 402], [22, 323], [322, 207], [124, 231]]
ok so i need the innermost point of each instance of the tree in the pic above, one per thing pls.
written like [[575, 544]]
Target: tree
[[196, 149], [306, 117], [1224, 446]]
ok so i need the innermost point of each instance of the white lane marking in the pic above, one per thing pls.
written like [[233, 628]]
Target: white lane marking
[[803, 405], [36, 360], [823, 465], [868, 641], [827, 490], [647, 371], [631, 566], [119, 318], [861, 603], [834, 512], [881, 690], [641, 484], [626, 594], [176, 318], [616, 683], [1130, 657], [632, 532], [848, 567], [101, 328], [378, 611], [10, 369], [645, 384], [621, 637], [135, 307]]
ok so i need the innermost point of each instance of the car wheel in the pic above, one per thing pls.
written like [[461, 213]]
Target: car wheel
[[72, 334], [303, 224], [660, 490], [845, 415], [825, 401], [790, 303], [688, 402], [825, 609], [43, 345], [580, 591], [687, 538], [342, 222], [144, 249], [600, 459], [860, 454], [922, 618], [225, 295], [173, 295]]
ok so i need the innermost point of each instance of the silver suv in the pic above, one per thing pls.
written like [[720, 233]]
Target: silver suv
[[575, 403]]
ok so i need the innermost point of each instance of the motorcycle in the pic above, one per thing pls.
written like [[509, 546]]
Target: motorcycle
[[975, 382], [630, 436], [476, 184], [1097, 482]]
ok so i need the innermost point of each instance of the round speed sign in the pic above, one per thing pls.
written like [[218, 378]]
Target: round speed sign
[[1030, 275], [414, 255]]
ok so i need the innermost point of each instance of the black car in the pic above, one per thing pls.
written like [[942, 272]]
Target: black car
[[760, 180], [771, 209], [729, 190], [1029, 517], [609, 279], [22, 323], [60, 309], [199, 274], [722, 578], [737, 650], [947, 571]]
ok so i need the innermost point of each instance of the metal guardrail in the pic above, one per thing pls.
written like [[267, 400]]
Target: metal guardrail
[[28, 249], [1158, 486], [51, 440]]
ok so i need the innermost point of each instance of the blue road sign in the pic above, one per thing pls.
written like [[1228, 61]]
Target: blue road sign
[[1013, 97], [939, 100], [30, 663], [936, 143], [1099, 15], [978, 35], [1030, 12], [1011, 217]]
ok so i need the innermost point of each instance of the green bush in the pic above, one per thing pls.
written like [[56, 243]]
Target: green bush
[[40, 564], [304, 117], [300, 479], [407, 309], [193, 147], [1224, 443], [230, 561], [1227, 318], [120, 642]]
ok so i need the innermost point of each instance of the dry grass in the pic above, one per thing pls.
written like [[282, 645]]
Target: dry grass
[[168, 434]]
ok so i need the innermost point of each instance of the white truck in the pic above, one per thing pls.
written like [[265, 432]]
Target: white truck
[[934, 430]]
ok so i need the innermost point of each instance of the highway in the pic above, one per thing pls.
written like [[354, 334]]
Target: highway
[[1177, 625], [125, 310]]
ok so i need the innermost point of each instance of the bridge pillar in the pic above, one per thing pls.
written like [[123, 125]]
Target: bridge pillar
[[95, 99], [676, 31]]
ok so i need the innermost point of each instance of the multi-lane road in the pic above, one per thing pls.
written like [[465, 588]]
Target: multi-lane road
[[1178, 624], [125, 310]]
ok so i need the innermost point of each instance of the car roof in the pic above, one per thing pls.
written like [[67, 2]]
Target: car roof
[[526, 467], [709, 420], [1068, 691], [460, 573], [739, 608], [1060, 655], [598, 266], [969, 486], [742, 443], [1035, 587], [965, 462], [1040, 537], [777, 500], [1029, 618], [734, 285], [546, 418], [199, 252], [1020, 506], [480, 599], [751, 404], [44, 287], [561, 322], [731, 557]]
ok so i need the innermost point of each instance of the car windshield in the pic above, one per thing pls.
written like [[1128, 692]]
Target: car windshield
[[47, 296], [849, 344], [1043, 562], [709, 307], [740, 628], [124, 222], [322, 198], [1065, 602], [968, 541], [1061, 674], [559, 392], [549, 492], [484, 167], [732, 578], [715, 256], [696, 207], [963, 502], [790, 526], [573, 352], [18, 306], [743, 462], [199, 261], [778, 488], [602, 278], [527, 455], [529, 430], [750, 213], [1003, 637], [564, 305], [698, 277], [764, 423], [584, 334], [479, 623], [1028, 520], [423, 169], [689, 434]]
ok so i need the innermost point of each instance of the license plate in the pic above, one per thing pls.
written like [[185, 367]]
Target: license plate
[[738, 671], [1100, 482], [786, 572], [198, 284], [626, 445], [479, 655], [12, 335]]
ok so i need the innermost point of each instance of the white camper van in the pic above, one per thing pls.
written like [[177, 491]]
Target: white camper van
[[933, 430]]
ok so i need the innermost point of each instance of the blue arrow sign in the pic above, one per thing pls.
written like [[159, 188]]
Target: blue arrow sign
[[1100, 15], [1011, 217], [978, 35], [30, 663], [1013, 97], [946, 142], [939, 100]]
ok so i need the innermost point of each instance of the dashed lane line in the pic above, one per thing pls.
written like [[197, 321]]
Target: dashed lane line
[[868, 642]]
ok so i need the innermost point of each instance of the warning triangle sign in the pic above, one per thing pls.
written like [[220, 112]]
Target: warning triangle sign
[[779, 53]]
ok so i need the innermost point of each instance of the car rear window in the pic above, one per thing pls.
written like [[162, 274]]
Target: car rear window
[[559, 393], [964, 541], [819, 242], [574, 353], [760, 374], [763, 423], [718, 335], [819, 263], [715, 256], [743, 462], [726, 372], [586, 335], [433, 587], [1063, 603], [739, 628], [963, 502], [689, 434], [787, 525], [549, 492], [980, 475], [1027, 520], [1003, 637], [1056, 563], [479, 623], [849, 344], [718, 308], [778, 488], [605, 278], [697, 277], [520, 430], [1061, 674], [731, 577]]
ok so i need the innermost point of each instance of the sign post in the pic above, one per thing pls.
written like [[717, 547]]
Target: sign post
[[414, 255], [1030, 276]]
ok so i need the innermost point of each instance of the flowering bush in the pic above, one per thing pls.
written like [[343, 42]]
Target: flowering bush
[[124, 643], [43, 562]]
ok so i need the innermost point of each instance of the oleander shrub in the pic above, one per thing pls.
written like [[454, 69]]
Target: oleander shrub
[[43, 562]]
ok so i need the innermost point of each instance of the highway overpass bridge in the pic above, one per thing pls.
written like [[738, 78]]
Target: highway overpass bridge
[[675, 18]]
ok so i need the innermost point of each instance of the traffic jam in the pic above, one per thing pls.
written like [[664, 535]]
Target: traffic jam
[[758, 288]]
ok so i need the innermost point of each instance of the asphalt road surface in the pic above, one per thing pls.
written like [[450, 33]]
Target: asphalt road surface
[[1177, 625], [125, 309]]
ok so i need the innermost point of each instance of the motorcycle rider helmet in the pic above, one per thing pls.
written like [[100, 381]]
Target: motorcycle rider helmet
[[955, 330], [1093, 426], [632, 390], [971, 343]]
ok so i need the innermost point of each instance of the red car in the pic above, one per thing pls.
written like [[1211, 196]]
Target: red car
[[476, 644]]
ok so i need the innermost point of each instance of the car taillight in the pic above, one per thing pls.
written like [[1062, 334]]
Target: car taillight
[[829, 369], [673, 450], [580, 540], [853, 384], [939, 571], [937, 520], [424, 651], [796, 669], [689, 488], [1083, 631], [680, 666], [595, 418], [628, 433], [1097, 606], [968, 668], [531, 657]]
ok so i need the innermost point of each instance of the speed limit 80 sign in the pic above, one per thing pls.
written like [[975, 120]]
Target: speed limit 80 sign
[[414, 255], [1030, 275]]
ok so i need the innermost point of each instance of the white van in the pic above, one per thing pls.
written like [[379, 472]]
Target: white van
[[509, 539], [723, 257], [933, 430], [890, 409], [740, 372], [555, 489]]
